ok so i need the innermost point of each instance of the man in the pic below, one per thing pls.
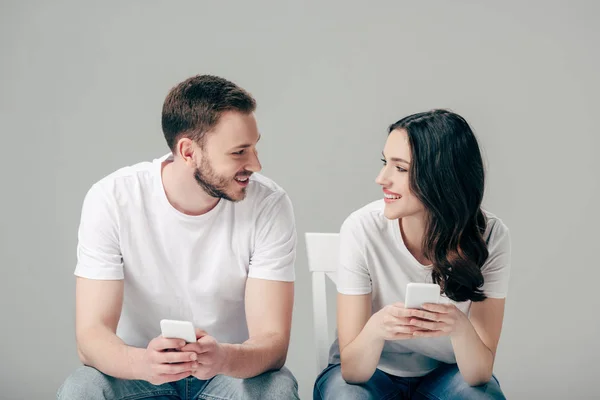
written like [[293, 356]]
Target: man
[[196, 235]]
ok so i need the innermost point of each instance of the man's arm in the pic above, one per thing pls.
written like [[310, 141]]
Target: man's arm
[[269, 307], [98, 306], [269, 293], [99, 300], [97, 311], [269, 318]]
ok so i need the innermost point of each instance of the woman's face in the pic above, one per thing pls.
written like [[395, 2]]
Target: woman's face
[[400, 202]]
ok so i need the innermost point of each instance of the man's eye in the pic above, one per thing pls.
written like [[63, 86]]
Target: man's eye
[[239, 153]]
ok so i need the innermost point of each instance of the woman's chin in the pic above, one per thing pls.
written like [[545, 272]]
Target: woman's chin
[[391, 214]]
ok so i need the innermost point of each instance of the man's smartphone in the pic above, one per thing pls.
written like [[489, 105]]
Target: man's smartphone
[[419, 293], [173, 329]]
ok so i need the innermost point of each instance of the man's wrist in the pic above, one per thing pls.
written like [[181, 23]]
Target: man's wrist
[[135, 358], [229, 351]]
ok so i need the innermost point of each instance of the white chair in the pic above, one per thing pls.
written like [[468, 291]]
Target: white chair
[[322, 250]]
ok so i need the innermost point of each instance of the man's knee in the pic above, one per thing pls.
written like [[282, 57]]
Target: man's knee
[[84, 383], [272, 385]]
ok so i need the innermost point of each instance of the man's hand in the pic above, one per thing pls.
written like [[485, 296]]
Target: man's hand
[[161, 364], [211, 355]]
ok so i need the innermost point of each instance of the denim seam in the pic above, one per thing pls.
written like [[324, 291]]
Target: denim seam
[[427, 395], [319, 390], [392, 395], [188, 390], [138, 396], [210, 397]]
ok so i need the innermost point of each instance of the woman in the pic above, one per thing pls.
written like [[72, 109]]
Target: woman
[[429, 227]]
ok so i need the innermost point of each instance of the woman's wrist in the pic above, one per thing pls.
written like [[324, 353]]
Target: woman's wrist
[[374, 328], [463, 327]]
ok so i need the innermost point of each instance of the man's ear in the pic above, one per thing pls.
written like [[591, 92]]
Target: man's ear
[[188, 151]]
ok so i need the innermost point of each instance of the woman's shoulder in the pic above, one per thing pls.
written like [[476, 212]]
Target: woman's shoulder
[[367, 217], [495, 230]]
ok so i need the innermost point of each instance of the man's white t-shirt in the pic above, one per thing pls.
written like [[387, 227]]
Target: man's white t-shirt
[[374, 259], [177, 266]]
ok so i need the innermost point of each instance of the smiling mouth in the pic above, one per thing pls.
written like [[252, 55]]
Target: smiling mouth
[[243, 181], [390, 198]]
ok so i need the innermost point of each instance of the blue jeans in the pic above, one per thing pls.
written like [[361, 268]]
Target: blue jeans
[[88, 383], [443, 383]]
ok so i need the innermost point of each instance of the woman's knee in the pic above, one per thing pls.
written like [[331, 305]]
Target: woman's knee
[[331, 385], [448, 383]]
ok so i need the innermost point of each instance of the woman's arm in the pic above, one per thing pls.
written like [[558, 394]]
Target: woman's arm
[[474, 340], [360, 347], [475, 350], [362, 335]]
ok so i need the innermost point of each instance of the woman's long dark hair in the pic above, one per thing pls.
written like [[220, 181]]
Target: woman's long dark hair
[[447, 176]]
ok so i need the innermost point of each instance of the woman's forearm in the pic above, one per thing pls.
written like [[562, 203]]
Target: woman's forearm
[[475, 360], [360, 357]]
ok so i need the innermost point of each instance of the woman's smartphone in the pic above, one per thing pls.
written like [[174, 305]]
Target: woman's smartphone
[[418, 294]]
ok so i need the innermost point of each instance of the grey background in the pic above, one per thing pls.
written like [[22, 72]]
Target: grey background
[[81, 89]]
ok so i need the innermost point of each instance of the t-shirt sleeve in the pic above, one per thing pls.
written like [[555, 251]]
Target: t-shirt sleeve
[[496, 270], [275, 240], [98, 250], [353, 276]]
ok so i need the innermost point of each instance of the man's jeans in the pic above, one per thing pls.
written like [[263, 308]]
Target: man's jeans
[[88, 383]]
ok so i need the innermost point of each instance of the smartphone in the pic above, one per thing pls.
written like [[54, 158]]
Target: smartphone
[[173, 329], [419, 293]]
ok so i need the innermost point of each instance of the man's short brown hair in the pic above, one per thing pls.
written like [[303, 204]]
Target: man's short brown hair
[[193, 107]]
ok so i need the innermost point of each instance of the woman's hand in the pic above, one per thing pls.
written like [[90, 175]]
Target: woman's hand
[[392, 322], [438, 320]]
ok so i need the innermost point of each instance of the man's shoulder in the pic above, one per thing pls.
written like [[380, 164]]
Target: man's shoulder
[[262, 189], [124, 180]]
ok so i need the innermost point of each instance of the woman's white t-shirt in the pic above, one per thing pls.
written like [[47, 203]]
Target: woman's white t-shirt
[[374, 259]]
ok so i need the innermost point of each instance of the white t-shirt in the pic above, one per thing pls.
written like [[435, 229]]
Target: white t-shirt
[[374, 259], [177, 266]]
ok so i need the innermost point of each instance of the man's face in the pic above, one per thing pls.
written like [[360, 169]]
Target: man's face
[[229, 157]]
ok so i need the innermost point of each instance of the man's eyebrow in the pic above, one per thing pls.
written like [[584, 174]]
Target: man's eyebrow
[[246, 145]]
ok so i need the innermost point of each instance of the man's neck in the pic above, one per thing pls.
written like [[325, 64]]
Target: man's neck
[[182, 190]]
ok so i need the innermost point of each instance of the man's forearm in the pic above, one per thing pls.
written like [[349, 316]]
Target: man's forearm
[[100, 348], [255, 356]]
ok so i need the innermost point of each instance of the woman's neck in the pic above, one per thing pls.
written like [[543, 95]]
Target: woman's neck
[[412, 229]]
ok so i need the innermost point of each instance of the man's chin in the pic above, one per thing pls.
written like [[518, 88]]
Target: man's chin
[[238, 195]]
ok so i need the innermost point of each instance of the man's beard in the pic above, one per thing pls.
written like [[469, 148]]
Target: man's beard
[[215, 185]]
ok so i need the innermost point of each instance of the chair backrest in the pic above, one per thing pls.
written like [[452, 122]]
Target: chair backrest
[[323, 256]]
